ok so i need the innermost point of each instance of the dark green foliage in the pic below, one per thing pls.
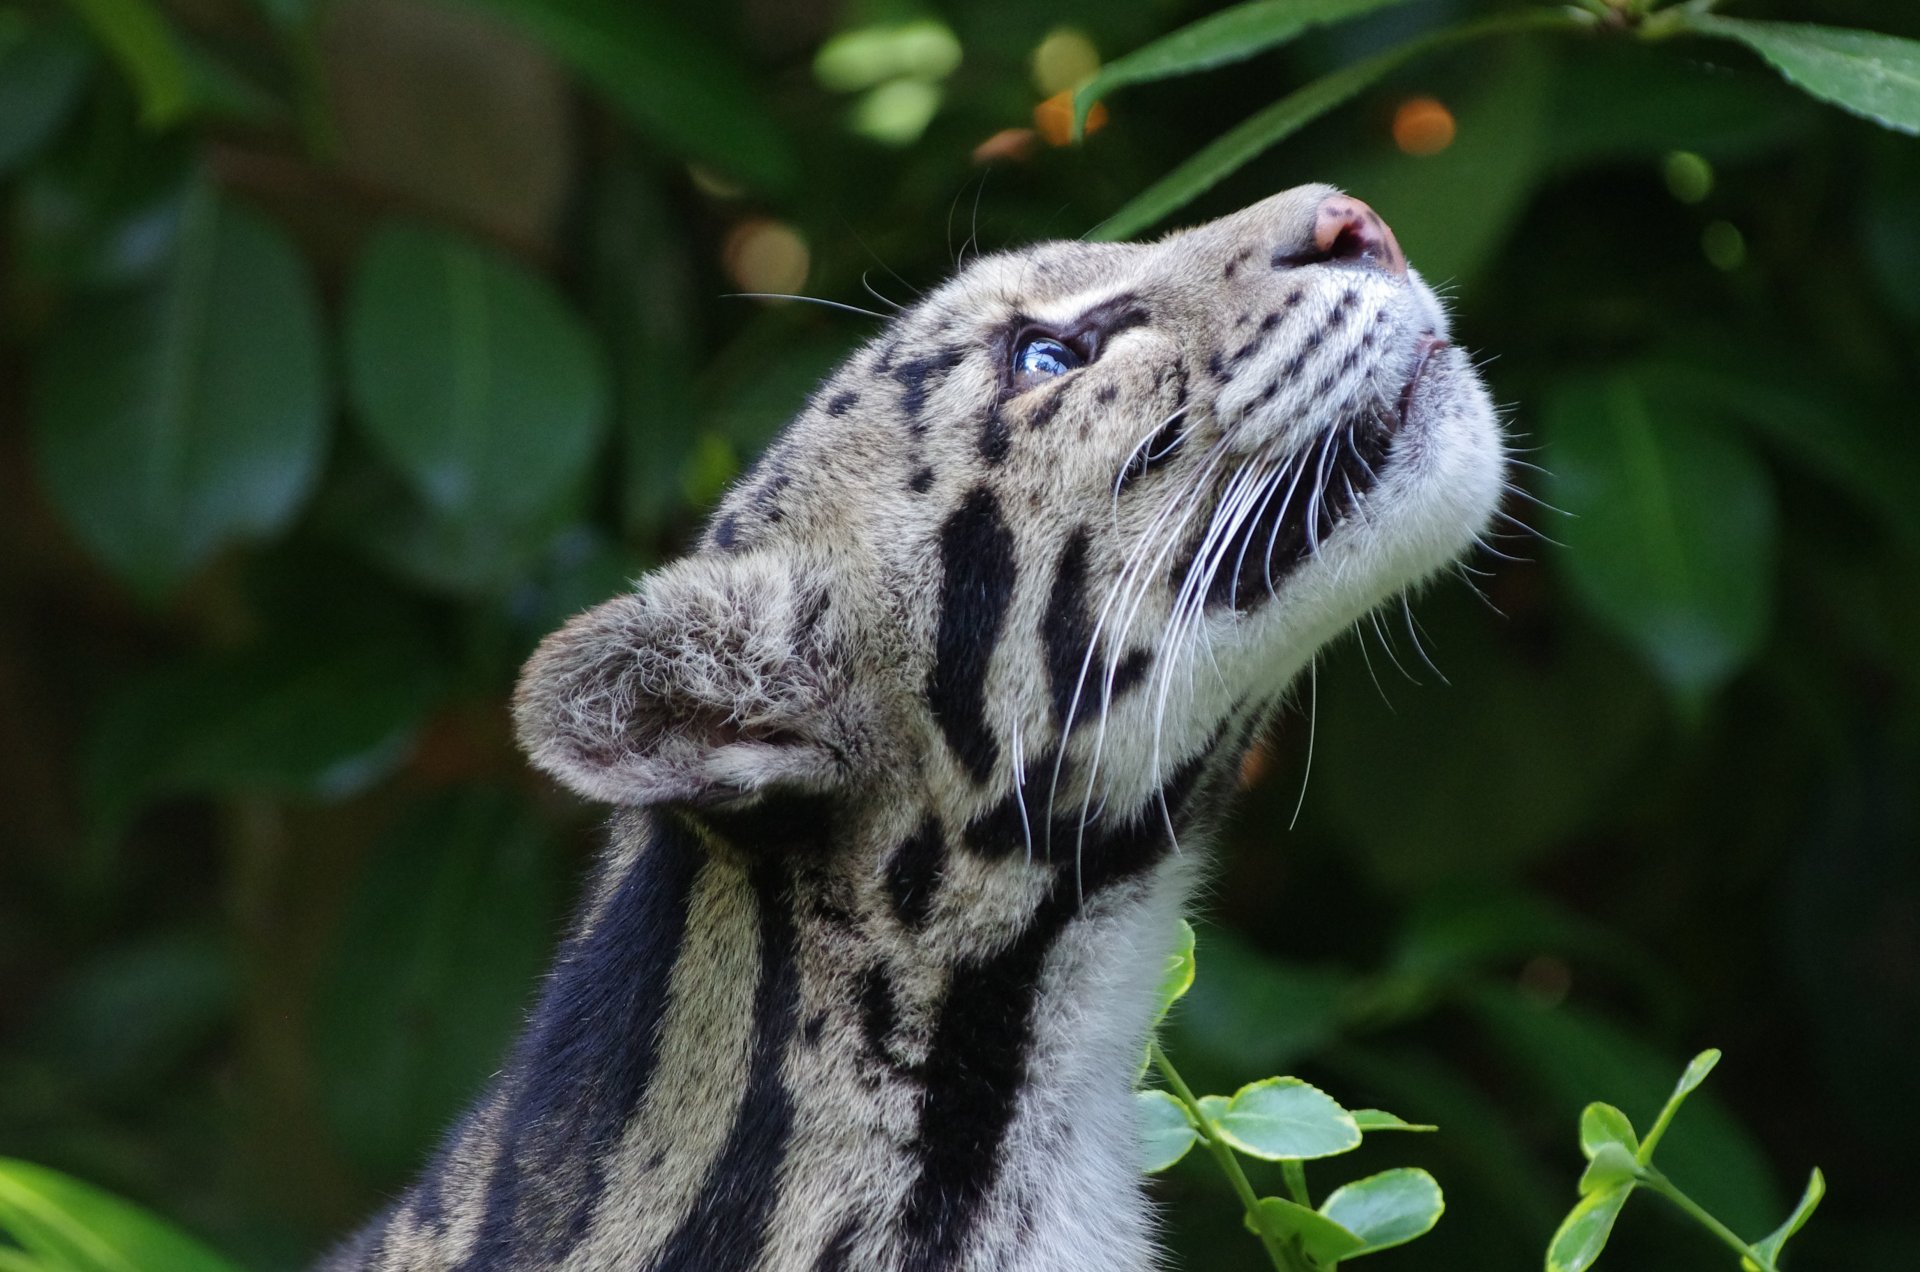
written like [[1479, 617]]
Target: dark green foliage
[[347, 347]]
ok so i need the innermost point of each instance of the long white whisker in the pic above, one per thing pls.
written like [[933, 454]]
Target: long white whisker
[[811, 300], [1313, 725]]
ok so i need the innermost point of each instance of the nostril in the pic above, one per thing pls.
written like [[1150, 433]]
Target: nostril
[[1347, 231]]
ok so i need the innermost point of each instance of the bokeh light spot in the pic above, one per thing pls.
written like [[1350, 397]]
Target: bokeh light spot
[[1422, 126], [862, 58], [1725, 245], [764, 255], [895, 114], [1689, 177], [1011, 144], [1064, 61]]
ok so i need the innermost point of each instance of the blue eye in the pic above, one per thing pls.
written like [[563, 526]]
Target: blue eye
[[1040, 358]]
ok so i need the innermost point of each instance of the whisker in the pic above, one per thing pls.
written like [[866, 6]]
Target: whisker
[[1413, 634], [811, 300], [1313, 724], [1387, 646]]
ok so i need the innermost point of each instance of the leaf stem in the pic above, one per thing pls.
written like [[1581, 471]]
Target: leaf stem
[[1659, 1183], [1284, 1259], [1296, 1177]]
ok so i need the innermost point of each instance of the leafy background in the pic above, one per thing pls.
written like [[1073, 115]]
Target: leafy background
[[347, 347]]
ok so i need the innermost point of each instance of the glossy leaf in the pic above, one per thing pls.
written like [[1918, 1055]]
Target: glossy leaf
[[137, 34], [1177, 978], [1875, 76], [1572, 1056], [1369, 1120], [1285, 1119], [320, 720], [431, 972], [1217, 39], [43, 67], [472, 376], [1166, 1131], [1612, 1165], [191, 415], [74, 1227], [1670, 537], [1825, 428], [1387, 1209], [667, 78], [1770, 1245], [1322, 1239], [1601, 1125], [1583, 1233], [1696, 1072]]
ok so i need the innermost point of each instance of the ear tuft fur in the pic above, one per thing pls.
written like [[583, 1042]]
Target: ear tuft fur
[[717, 679]]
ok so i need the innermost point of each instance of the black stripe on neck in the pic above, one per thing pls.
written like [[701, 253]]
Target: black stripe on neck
[[577, 1074], [727, 1228]]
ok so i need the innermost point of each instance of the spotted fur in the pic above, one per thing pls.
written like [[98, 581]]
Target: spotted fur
[[914, 758]]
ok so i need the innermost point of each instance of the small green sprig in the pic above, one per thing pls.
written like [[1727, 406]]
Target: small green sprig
[[1288, 1121], [1618, 1162]]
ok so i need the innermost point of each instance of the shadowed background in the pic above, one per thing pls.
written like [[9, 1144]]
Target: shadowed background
[[346, 348]]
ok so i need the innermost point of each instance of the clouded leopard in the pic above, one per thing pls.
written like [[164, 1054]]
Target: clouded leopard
[[913, 757]]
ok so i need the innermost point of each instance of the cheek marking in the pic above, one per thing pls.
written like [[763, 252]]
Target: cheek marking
[[913, 873], [1049, 407], [1066, 632], [996, 439], [977, 576]]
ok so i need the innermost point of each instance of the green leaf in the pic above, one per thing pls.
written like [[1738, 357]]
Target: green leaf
[[190, 415], [138, 37], [1177, 978], [1874, 76], [43, 67], [1502, 730], [1381, 1120], [432, 969], [1285, 1119], [1696, 1073], [128, 1019], [668, 79], [1213, 1107], [1253, 1012], [320, 718], [1572, 1056], [1601, 1125], [472, 376], [1769, 1245], [1387, 1209], [1842, 436], [1322, 1239], [1670, 537], [1584, 1232], [1612, 1165], [75, 1227], [1234, 148], [642, 299], [1166, 1130], [1230, 35]]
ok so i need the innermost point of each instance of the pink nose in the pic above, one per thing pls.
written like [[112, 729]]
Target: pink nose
[[1347, 230]]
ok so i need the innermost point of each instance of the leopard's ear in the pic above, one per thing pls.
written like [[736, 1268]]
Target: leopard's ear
[[715, 681]]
